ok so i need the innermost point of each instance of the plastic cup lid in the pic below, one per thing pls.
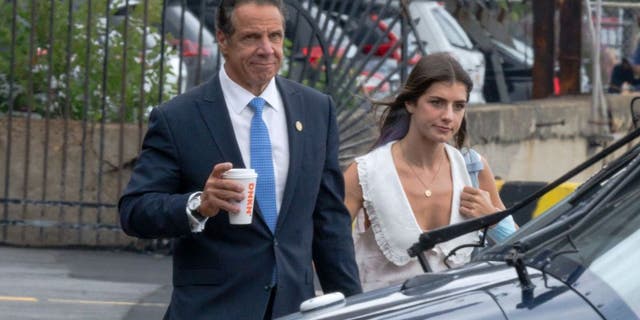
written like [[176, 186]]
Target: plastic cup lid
[[240, 173]]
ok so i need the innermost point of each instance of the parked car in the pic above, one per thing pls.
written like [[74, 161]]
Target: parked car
[[516, 62], [197, 57], [440, 32], [311, 34], [318, 41], [195, 43], [576, 261], [435, 29]]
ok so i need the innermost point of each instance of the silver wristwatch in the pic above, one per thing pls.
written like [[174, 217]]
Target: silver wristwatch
[[193, 204]]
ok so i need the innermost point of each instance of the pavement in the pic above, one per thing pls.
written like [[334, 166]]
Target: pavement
[[82, 284]]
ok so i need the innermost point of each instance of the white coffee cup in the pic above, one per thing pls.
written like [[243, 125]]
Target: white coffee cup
[[247, 178]]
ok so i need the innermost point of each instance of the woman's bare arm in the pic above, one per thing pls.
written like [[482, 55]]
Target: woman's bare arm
[[488, 183], [353, 192]]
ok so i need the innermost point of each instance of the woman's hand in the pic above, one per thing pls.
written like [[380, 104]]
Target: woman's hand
[[475, 203]]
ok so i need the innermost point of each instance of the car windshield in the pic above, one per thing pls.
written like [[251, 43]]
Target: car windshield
[[570, 205], [519, 52], [456, 36], [604, 242], [449, 27]]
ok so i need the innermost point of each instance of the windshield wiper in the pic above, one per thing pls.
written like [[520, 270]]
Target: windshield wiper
[[429, 239], [564, 228]]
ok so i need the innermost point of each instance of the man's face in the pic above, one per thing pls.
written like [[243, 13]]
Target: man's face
[[253, 53]]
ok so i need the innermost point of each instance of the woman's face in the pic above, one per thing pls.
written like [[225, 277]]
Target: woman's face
[[439, 111]]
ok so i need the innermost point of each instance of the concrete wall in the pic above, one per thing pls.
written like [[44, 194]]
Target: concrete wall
[[540, 140], [533, 141]]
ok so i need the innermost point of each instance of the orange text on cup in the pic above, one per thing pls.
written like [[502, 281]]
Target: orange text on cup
[[250, 198]]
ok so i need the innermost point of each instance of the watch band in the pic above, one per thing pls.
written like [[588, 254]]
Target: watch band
[[197, 215]]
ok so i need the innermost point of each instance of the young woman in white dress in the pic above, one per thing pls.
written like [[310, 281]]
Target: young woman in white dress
[[413, 180]]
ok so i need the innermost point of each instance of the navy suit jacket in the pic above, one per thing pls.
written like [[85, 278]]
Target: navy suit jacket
[[224, 272]]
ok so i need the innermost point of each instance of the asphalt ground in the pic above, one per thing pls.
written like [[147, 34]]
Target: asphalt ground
[[82, 284]]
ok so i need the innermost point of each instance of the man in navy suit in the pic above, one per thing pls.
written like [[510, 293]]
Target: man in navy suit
[[225, 271]]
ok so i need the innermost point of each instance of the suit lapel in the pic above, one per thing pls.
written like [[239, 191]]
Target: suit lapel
[[213, 110], [293, 104]]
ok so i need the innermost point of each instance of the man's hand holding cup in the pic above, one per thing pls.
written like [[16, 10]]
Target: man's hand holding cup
[[231, 190]]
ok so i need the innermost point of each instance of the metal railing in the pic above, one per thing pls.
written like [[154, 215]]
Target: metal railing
[[79, 77]]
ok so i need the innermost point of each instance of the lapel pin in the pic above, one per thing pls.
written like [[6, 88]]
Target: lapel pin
[[298, 125]]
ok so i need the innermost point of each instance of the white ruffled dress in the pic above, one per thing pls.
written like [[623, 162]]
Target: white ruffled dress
[[381, 250]]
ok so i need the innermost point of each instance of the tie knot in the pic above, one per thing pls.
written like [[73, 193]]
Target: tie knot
[[258, 104]]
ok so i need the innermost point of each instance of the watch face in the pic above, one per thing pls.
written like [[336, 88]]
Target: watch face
[[194, 203]]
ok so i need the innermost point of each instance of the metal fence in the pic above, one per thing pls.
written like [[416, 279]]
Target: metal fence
[[79, 77], [619, 35]]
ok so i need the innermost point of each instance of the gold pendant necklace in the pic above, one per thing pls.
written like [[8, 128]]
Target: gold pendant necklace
[[427, 191]]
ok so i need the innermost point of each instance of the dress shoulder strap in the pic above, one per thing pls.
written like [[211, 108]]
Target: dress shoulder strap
[[474, 164]]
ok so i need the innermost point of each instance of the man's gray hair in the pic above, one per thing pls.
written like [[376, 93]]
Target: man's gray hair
[[225, 12]]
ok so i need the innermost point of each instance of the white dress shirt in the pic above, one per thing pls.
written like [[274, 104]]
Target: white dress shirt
[[237, 99]]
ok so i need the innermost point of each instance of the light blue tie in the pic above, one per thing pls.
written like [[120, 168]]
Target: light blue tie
[[262, 163]]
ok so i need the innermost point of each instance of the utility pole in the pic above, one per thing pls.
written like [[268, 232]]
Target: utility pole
[[543, 47], [570, 45]]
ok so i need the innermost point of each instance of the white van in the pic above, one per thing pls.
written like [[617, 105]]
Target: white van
[[440, 32]]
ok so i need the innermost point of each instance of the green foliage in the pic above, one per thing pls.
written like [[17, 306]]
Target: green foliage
[[65, 57], [516, 9]]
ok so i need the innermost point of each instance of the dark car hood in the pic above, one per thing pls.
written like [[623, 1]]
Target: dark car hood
[[479, 291]]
